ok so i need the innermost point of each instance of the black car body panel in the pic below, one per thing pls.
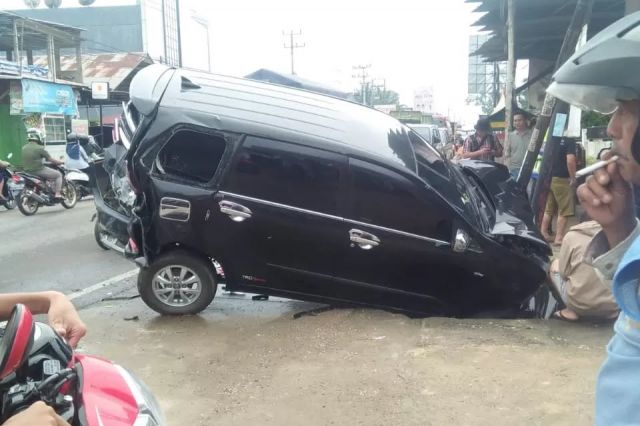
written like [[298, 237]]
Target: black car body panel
[[313, 197]]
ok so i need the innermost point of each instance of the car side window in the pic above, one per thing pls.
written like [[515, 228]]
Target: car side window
[[192, 156], [287, 173], [383, 197], [436, 136]]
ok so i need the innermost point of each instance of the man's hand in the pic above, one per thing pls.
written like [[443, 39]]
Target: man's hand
[[64, 318], [39, 414], [608, 199]]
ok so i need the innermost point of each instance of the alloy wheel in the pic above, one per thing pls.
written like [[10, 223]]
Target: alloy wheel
[[177, 286]]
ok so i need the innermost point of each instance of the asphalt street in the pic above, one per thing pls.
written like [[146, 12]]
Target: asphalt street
[[55, 250]]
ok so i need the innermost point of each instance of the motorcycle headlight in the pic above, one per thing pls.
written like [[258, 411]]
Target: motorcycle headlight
[[149, 411]]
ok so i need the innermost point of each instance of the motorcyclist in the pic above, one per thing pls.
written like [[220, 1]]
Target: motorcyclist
[[64, 318], [603, 76], [76, 157], [32, 155]]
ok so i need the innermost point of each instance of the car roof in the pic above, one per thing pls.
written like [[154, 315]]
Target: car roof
[[279, 112]]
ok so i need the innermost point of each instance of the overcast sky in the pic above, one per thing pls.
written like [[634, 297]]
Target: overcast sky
[[410, 43]]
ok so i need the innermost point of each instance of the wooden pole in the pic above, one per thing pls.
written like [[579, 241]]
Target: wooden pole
[[511, 72], [51, 58], [16, 45], [79, 73]]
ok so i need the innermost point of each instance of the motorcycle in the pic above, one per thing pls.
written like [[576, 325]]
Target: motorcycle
[[36, 364], [94, 152], [81, 182], [38, 192], [13, 184]]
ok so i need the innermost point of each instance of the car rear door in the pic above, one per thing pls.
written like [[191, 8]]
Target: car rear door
[[279, 209]]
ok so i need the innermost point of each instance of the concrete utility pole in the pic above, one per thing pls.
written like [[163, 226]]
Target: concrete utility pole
[[362, 75], [380, 87], [551, 109], [511, 70], [293, 46]]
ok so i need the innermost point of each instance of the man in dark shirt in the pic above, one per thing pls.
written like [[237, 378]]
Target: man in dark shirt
[[561, 196]]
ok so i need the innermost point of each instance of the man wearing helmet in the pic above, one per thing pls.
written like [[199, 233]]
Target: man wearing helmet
[[32, 155], [605, 76]]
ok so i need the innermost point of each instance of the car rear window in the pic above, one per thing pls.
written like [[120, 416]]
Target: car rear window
[[191, 155]]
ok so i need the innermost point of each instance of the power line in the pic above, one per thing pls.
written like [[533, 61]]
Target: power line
[[293, 46], [362, 74]]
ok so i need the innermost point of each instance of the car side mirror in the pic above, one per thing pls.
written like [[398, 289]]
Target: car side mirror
[[461, 241], [17, 340]]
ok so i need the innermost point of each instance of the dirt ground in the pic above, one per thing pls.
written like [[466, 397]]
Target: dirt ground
[[247, 363]]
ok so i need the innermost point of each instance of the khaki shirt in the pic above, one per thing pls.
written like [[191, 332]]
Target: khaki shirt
[[588, 294], [32, 156]]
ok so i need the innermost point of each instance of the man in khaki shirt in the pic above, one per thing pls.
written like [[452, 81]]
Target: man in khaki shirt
[[582, 289]]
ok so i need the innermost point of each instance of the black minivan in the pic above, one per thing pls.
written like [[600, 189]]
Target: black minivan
[[305, 196]]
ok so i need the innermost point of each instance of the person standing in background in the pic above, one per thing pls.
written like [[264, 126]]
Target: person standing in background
[[482, 145], [517, 144]]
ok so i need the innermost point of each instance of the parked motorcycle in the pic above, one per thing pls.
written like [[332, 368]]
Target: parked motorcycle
[[12, 187], [38, 192], [36, 364]]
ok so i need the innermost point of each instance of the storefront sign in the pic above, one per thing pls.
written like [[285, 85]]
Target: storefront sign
[[80, 127], [99, 90], [41, 96]]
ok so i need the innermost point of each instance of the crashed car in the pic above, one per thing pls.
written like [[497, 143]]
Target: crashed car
[[309, 197]]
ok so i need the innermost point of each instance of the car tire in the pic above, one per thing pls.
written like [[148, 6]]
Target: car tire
[[172, 271], [96, 235]]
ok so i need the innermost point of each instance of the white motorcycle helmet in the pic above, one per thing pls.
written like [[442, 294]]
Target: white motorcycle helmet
[[34, 134]]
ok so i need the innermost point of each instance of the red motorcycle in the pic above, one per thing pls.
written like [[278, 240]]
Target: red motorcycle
[[36, 364]]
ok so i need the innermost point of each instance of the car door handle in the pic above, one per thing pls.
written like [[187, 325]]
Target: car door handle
[[235, 211], [364, 240]]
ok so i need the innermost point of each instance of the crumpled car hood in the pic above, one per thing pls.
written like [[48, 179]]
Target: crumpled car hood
[[513, 214]]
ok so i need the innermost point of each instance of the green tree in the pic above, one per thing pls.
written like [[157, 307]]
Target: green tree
[[484, 101], [378, 96], [594, 119]]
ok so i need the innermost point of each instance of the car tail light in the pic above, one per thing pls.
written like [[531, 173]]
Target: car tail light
[[134, 245]]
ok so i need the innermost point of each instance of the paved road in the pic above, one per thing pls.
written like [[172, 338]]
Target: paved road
[[54, 249]]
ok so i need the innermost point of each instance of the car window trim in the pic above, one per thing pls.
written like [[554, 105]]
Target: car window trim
[[438, 243]]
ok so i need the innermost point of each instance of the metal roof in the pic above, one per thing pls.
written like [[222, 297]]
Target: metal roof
[[113, 68], [33, 33], [540, 25]]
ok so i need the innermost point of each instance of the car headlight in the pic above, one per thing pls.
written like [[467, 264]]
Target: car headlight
[[149, 411]]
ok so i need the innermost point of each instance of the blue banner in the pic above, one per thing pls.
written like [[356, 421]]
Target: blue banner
[[41, 96]]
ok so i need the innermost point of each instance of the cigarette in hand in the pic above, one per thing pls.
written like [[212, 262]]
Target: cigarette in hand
[[592, 168]]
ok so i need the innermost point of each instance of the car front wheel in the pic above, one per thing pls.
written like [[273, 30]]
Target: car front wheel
[[177, 283]]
